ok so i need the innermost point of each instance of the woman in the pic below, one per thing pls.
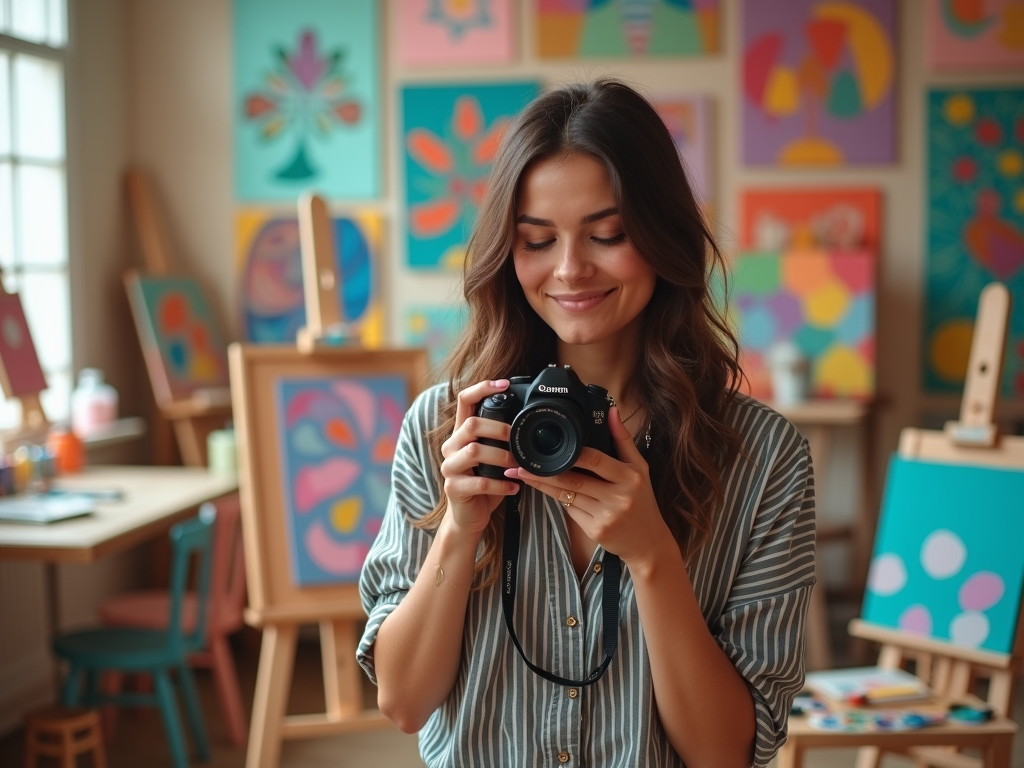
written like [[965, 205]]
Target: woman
[[590, 251]]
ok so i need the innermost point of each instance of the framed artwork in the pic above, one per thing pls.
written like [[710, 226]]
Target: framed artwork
[[977, 35], [688, 119], [827, 218], [939, 573], [271, 297], [454, 32], [317, 436], [823, 302], [975, 221], [572, 28], [449, 137], [818, 82], [305, 99], [437, 328], [20, 371], [181, 341]]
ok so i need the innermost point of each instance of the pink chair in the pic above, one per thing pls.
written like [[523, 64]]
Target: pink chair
[[149, 609]]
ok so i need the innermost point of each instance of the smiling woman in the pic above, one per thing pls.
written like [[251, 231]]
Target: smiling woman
[[589, 252]]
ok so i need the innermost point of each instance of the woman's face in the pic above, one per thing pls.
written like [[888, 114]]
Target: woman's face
[[578, 269]]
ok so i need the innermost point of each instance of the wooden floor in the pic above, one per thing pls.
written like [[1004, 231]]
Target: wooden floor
[[140, 739]]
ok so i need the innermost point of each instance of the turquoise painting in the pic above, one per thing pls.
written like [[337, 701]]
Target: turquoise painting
[[450, 135], [948, 562], [305, 99], [437, 328], [975, 220]]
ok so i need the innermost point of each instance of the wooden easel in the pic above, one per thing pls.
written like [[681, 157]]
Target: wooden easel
[[34, 425], [192, 418], [277, 604], [950, 670]]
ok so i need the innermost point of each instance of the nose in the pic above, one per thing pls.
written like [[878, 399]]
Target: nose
[[573, 264]]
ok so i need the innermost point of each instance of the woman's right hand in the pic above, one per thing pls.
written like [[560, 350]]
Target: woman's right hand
[[472, 499]]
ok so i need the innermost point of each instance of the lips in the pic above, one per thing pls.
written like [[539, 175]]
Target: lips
[[580, 301]]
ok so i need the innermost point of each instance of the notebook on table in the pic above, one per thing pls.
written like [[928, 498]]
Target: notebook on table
[[45, 507]]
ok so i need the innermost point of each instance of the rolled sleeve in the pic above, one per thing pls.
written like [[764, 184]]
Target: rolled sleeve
[[400, 548]]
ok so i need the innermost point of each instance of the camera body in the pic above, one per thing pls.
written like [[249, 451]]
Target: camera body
[[553, 416]]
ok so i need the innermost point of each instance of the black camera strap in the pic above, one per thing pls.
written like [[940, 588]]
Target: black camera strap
[[611, 571]]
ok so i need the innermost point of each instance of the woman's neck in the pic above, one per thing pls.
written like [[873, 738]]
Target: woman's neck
[[611, 364]]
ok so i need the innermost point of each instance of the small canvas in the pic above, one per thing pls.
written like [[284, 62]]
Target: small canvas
[[449, 137], [975, 221], [688, 119], [20, 371], [271, 297], [181, 340], [818, 82], [948, 564], [823, 302], [432, 32], [571, 28], [830, 218], [978, 35], [305, 99], [437, 328], [337, 437]]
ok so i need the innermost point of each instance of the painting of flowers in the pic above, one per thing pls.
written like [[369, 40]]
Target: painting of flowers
[[305, 99], [449, 138]]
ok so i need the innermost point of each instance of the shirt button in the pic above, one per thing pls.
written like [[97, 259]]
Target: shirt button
[[571, 621], [574, 692], [563, 757], [597, 567]]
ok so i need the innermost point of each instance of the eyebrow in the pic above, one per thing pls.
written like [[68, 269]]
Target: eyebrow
[[588, 219]]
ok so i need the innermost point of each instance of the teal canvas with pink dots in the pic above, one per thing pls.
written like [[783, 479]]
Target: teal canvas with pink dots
[[948, 562], [337, 443]]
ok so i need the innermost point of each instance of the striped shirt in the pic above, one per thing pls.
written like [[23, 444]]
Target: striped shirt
[[752, 580]]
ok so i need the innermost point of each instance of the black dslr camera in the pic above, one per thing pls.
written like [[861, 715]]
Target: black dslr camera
[[553, 417]]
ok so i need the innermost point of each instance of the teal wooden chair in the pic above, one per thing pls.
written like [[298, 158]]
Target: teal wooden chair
[[157, 653]]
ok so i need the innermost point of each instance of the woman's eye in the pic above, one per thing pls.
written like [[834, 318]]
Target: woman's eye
[[528, 246], [614, 240]]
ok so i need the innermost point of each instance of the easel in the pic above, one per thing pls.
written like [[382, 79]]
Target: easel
[[194, 417], [277, 604], [949, 669], [34, 425]]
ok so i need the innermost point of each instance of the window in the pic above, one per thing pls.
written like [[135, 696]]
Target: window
[[33, 187]]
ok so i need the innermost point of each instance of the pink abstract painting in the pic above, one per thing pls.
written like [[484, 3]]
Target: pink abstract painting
[[454, 32], [19, 365], [975, 34]]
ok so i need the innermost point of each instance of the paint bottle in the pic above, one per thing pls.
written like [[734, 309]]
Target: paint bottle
[[93, 403], [221, 452], [22, 465], [68, 452]]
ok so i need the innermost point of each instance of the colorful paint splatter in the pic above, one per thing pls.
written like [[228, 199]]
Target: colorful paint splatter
[[975, 228]]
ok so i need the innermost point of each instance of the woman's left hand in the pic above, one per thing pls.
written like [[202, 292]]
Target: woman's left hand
[[617, 508]]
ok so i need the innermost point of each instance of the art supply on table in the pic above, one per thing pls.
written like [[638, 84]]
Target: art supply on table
[[867, 685], [970, 715], [222, 452], [93, 403], [788, 368], [864, 721], [67, 449], [45, 507]]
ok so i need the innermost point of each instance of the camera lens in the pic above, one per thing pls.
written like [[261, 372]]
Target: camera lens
[[547, 438]]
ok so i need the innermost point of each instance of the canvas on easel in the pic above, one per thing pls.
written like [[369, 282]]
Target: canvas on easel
[[317, 425], [945, 586], [21, 375]]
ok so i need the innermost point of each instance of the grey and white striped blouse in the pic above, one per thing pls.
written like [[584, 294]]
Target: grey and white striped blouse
[[752, 580]]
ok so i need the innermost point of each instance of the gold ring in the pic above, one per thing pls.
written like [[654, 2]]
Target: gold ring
[[570, 497]]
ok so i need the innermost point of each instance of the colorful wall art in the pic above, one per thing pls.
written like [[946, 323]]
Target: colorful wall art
[[576, 28], [947, 563], [818, 82], [20, 372], [780, 219], [449, 137], [437, 328], [338, 437], [271, 298], [454, 32], [975, 234], [822, 302], [181, 340], [688, 119], [305, 99], [981, 34]]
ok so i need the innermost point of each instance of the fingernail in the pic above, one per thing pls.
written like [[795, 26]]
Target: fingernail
[[499, 383], [515, 487], [512, 472]]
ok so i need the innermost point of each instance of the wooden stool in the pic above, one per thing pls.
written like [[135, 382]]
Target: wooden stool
[[64, 733]]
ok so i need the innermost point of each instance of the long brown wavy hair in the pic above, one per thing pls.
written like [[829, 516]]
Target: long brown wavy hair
[[688, 372]]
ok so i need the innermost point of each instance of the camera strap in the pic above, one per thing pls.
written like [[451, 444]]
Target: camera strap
[[611, 571]]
